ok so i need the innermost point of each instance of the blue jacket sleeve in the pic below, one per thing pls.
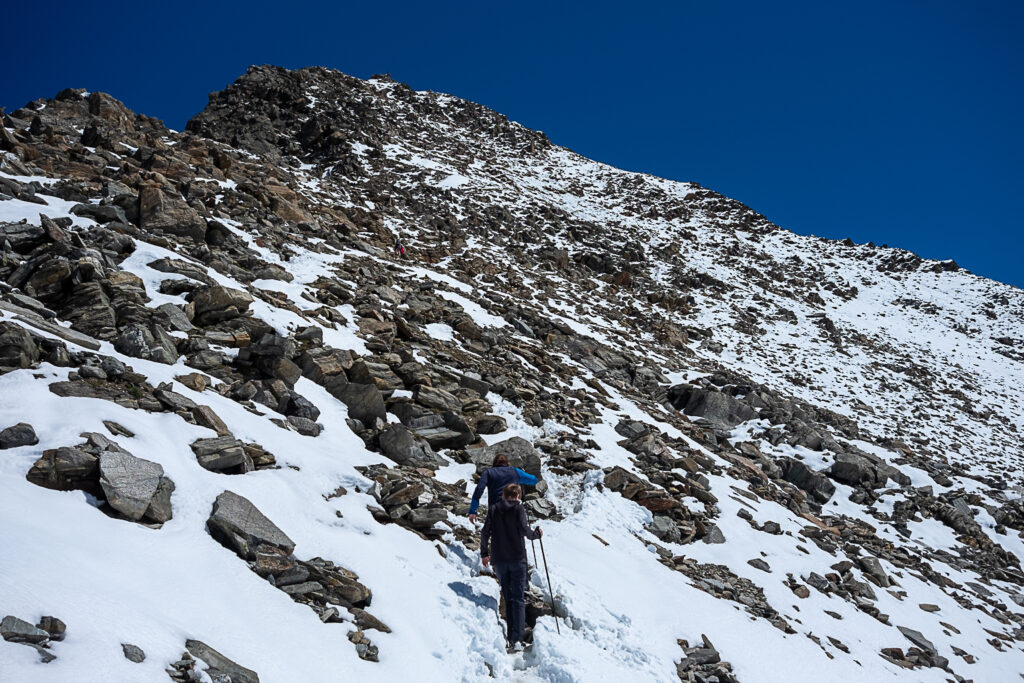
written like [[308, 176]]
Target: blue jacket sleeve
[[525, 478], [479, 491]]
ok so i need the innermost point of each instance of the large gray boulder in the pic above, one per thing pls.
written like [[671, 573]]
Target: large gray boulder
[[438, 399], [215, 303], [64, 469], [855, 470], [129, 483], [364, 401], [18, 630], [23, 237], [426, 517], [399, 444], [20, 434], [147, 342], [237, 525], [158, 211], [17, 348], [519, 451], [719, 409], [806, 479], [172, 317], [224, 454]]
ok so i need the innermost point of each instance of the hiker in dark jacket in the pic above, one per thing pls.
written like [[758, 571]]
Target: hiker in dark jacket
[[495, 480], [502, 546]]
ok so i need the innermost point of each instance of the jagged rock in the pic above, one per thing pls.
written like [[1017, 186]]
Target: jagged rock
[[855, 470], [54, 626], [190, 270], [294, 404], [237, 525], [64, 469], [159, 212], [32, 304], [17, 349], [917, 638], [133, 653], [147, 342], [205, 417], [172, 400], [491, 424], [21, 434], [714, 535], [364, 401], [320, 364], [873, 568], [305, 426], [443, 437], [402, 446], [159, 509], [171, 317], [426, 517], [222, 454], [194, 381], [17, 630], [368, 622], [23, 237], [804, 478], [631, 429], [379, 375], [403, 494], [665, 528], [474, 382], [721, 410], [341, 586], [129, 483], [216, 303], [270, 560], [758, 563], [617, 478], [294, 574], [519, 451], [437, 399], [220, 667], [101, 213], [124, 395]]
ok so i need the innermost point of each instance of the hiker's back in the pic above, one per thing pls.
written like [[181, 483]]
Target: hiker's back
[[507, 521]]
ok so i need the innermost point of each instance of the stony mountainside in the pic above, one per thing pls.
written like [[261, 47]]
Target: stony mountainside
[[240, 432]]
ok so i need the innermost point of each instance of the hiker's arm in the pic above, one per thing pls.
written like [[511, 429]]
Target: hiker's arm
[[524, 526], [525, 478], [485, 540], [477, 492]]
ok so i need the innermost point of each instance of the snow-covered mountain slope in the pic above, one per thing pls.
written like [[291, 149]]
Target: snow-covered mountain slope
[[764, 457]]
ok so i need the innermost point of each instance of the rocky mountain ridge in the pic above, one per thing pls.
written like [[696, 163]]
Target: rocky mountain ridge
[[691, 382]]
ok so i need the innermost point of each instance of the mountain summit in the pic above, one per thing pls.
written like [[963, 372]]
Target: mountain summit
[[240, 428]]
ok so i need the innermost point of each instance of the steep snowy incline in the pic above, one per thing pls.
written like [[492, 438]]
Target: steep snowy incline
[[239, 434]]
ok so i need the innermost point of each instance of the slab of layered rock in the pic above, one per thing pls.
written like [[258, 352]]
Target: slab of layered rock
[[238, 525]]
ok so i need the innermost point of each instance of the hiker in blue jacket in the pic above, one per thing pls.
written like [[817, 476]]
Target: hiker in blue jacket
[[495, 480]]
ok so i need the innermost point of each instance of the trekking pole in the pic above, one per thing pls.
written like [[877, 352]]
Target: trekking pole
[[551, 590], [534, 545]]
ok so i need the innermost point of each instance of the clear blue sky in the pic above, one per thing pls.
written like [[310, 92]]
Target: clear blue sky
[[896, 122]]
